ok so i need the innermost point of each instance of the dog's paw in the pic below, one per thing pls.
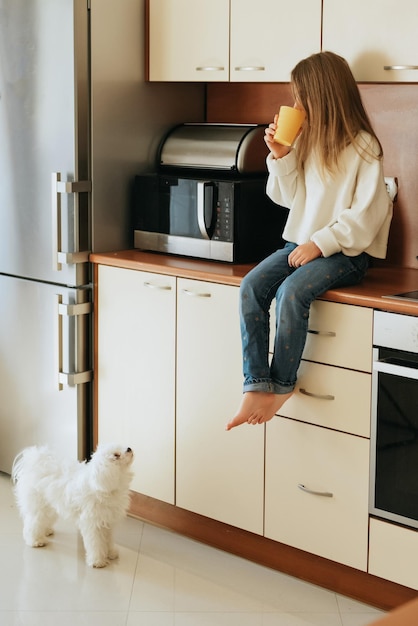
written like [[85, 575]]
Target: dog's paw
[[38, 543], [99, 563], [49, 532], [113, 554]]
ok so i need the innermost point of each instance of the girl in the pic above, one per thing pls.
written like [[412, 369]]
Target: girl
[[339, 215]]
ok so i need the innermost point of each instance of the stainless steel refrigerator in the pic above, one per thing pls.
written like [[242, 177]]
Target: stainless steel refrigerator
[[77, 122]]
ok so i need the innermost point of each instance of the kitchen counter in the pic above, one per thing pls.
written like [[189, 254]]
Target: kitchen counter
[[208, 528], [379, 281]]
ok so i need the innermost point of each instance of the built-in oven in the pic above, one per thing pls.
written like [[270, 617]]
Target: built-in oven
[[394, 435]]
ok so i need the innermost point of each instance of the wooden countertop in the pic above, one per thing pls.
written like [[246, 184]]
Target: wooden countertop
[[379, 281]]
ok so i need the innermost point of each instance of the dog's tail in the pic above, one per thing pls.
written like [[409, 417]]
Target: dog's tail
[[17, 466], [27, 458]]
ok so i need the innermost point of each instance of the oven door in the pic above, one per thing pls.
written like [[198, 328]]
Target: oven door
[[394, 438]]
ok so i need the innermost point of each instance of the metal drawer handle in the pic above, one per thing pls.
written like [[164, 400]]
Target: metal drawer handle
[[196, 294], [324, 333], [324, 494], [400, 67], [210, 68], [250, 68], [161, 287], [317, 395]]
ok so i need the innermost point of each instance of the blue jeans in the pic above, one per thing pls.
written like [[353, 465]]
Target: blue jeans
[[294, 289]]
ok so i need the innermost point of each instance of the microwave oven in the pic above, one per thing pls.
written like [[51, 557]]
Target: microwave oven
[[210, 217]]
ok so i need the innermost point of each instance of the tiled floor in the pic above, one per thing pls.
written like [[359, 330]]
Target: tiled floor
[[161, 579]]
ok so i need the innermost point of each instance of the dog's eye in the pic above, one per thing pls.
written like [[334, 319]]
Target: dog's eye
[[116, 455]]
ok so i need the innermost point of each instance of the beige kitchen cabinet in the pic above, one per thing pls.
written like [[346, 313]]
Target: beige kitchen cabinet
[[188, 40], [219, 474], [393, 552], [372, 36], [317, 451], [136, 372], [169, 378], [269, 37], [317, 490], [230, 40]]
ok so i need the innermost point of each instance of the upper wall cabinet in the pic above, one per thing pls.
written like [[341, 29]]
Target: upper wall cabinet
[[230, 40], [377, 37], [188, 40], [268, 38]]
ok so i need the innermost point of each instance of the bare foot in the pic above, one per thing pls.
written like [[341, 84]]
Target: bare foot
[[258, 407]]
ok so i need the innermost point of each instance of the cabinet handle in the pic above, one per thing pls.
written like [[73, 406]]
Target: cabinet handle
[[324, 494], [317, 395], [400, 67], [161, 287], [323, 333], [210, 68], [250, 68], [196, 294]]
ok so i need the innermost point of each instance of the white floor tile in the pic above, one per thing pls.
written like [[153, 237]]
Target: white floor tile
[[62, 618], [218, 619], [160, 579], [150, 619], [301, 619], [360, 619]]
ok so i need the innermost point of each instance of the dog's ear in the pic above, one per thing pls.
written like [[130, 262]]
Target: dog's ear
[[104, 471]]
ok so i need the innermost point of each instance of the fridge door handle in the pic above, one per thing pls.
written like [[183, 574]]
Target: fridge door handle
[[59, 257], [71, 344]]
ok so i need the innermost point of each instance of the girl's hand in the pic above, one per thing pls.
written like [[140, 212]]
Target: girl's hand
[[277, 150], [303, 254]]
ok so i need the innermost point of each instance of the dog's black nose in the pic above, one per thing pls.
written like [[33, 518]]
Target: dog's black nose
[[128, 449]]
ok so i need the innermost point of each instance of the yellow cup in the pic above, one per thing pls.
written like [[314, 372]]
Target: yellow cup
[[288, 125]]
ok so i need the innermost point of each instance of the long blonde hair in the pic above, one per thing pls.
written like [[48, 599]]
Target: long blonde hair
[[335, 116]]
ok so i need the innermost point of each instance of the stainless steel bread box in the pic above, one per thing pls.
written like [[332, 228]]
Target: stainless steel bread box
[[238, 148]]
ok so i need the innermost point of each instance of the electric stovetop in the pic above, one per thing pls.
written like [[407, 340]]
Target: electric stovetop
[[407, 295]]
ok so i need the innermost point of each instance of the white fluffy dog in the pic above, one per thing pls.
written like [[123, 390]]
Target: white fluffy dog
[[95, 494]]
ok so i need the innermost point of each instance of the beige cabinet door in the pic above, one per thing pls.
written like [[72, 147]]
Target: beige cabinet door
[[269, 37], [393, 552], [219, 474], [135, 370], [189, 40], [372, 36], [317, 491]]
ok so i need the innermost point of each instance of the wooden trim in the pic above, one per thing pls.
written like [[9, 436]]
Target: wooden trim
[[317, 570], [146, 39], [95, 424]]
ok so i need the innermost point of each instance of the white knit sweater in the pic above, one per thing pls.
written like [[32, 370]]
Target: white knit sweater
[[349, 212]]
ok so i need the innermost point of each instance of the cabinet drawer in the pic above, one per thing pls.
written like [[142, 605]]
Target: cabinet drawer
[[332, 397], [326, 462], [338, 334], [393, 553]]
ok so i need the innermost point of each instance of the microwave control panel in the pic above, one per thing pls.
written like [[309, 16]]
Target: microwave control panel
[[224, 228]]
